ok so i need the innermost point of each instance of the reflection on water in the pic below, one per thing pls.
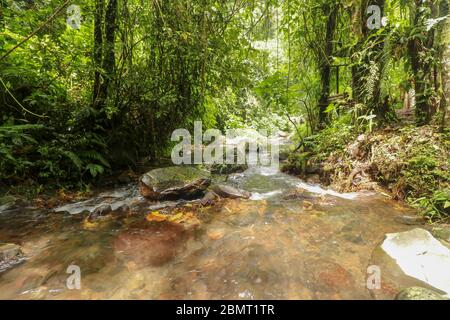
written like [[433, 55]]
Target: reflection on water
[[274, 246]]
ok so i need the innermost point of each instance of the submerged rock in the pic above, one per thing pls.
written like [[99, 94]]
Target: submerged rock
[[118, 199], [174, 183], [99, 212], [418, 293], [410, 220], [210, 198], [225, 191], [150, 244], [10, 254]]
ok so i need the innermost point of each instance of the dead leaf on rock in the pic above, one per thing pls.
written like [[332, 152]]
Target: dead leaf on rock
[[156, 216], [176, 217]]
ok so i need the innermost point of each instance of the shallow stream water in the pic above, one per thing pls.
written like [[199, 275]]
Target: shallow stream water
[[290, 240]]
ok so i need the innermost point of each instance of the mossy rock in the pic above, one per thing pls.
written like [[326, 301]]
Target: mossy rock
[[442, 233], [419, 293], [170, 183]]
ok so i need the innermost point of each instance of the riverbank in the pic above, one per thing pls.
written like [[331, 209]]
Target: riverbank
[[410, 163]]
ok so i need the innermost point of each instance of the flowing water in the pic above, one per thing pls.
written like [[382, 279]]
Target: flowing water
[[290, 240]]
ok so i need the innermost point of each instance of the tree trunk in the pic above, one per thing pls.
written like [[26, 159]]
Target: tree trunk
[[361, 72], [2, 17], [325, 68], [98, 49], [104, 50], [445, 71], [109, 56], [421, 67]]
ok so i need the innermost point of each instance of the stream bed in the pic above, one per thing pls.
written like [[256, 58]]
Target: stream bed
[[290, 240]]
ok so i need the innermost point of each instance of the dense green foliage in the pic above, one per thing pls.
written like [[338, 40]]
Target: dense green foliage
[[74, 104]]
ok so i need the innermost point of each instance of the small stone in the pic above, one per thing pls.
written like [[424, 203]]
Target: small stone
[[313, 179], [230, 192], [99, 212], [126, 177], [410, 220], [209, 199], [123, 209], [9, 251], [10, 254], [419, 293], [8, 203], [442, 233]]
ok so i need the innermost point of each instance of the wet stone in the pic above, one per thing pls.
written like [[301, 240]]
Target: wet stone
[[419, 293], [442, 233], [210, 198], [230, 192], [151, 244], [173, 183], [100, 212], [410, 220], [8, 203], [10, 254]]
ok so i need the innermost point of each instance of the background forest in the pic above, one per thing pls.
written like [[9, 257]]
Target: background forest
[[82, 99]]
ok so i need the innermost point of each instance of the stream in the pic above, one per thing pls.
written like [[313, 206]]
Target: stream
[[290, 240]]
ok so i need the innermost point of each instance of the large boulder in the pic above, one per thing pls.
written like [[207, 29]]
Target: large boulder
[[174, 183], [412, 258]]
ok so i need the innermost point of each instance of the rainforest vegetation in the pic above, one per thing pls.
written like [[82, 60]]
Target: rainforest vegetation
[[90, 88]]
